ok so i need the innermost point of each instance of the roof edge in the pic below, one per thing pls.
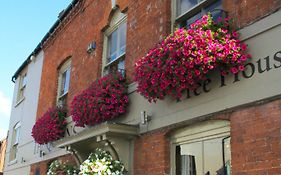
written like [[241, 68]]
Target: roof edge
[[45, 38]]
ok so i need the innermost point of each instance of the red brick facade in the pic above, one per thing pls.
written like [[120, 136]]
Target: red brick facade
[[148, 22], [152, 154], [246, 12], [255, 131], [42, 167], [256, 139], [86, 26], [255, 143]]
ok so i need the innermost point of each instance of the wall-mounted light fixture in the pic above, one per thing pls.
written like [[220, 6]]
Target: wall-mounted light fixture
[[32, 58], [145, 118], [91, 47]]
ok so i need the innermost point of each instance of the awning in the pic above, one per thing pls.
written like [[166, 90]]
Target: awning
[[99, 131]]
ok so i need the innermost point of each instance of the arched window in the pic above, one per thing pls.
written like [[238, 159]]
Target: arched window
[[114, 48], [15, 141], [63, 82], [202, 148]]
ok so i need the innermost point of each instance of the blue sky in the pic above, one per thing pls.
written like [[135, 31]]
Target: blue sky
[[22, 26]]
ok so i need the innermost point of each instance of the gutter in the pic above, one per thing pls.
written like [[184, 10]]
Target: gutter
[[61, 17]]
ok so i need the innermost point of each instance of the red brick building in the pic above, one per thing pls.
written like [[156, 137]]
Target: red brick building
[[3, 145], [235, 127]]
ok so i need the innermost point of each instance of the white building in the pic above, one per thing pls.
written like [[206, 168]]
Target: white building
[[20, 146]]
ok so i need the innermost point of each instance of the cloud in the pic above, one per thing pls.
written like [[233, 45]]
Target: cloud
[[3, 134], [5, 105]]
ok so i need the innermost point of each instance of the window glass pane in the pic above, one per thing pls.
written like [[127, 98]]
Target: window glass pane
[[13, 153], [113, 46], [227, 156], [188, 165], [21, 94], [24, 81], [204, 157], [63, 79], [215, 9], [213, 163], [185, 5], [22, 84], [121, 67], [193, 19], [67, 79], [192, 156], [122, 36], [17, 135]]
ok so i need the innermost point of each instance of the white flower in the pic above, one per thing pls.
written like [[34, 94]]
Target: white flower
[[101, 163]]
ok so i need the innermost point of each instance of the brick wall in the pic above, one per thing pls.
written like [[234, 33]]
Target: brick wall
[[72, 40], [255, 143], [246, 12], [256, 140], [3, 146], [152, 154], [148, 21]]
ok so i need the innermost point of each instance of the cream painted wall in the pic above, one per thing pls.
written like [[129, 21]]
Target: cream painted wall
[[19, 171], [25, 113]]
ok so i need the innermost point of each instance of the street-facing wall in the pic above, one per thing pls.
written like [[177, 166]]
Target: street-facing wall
[[249, 100]]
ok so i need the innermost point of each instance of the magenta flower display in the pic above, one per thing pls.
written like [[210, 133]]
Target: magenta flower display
[[50, 127], [185, 57], [105, 99]]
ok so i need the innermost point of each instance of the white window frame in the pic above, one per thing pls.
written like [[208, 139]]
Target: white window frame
[[15, 142], [196, 133], [117, 19], [21, 86], [189, 13], [65, 67]]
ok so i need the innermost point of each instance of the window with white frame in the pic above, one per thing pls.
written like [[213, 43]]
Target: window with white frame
[[22, 86], [15, 141], [188, 11], [63, 83], [202, 149], [115, 44]]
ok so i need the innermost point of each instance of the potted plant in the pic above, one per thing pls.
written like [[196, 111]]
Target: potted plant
[[105, 99], [50, 127], [186, 56], [58, 167], [101, 163]]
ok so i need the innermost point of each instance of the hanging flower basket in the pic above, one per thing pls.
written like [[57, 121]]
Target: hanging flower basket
[[185, 57], [61, 168], [101, 163], [105, 99], [50, 127]]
